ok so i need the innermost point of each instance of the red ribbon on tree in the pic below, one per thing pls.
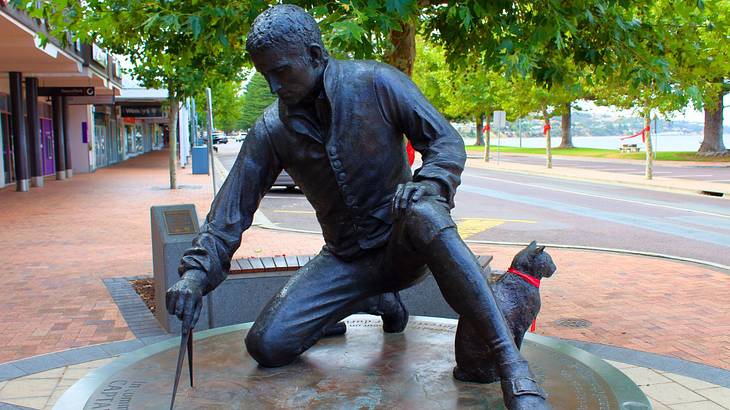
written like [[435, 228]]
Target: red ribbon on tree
[[486, 128], [546, 128], [642, 133]]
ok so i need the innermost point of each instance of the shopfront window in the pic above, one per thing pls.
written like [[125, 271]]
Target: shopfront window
[[7, 142], [138, 138], [100, 139], [129, 138]]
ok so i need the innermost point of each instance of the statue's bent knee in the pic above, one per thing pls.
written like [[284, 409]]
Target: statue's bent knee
[[268, 350], [425, 219]]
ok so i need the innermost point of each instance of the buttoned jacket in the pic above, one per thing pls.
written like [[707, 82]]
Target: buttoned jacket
[[349, 175]]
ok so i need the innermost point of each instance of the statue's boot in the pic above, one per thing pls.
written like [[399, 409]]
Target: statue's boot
[[519, 388], [395, 314], [391, 309], [338, 329]]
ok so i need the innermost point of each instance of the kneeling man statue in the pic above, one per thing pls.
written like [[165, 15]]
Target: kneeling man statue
[[337, 128]]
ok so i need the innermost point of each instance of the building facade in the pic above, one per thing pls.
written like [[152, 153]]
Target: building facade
[[66, 109], [48, 98]]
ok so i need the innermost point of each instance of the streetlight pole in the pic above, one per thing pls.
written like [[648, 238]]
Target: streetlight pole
[[210, 137]]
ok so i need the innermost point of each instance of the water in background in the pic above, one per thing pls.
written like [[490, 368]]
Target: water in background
[[663, 142]]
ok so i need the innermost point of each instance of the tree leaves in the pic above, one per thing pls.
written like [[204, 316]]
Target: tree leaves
[[195, 25], [182, 45]]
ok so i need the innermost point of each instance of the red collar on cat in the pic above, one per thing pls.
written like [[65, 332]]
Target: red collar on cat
[[529, 279]]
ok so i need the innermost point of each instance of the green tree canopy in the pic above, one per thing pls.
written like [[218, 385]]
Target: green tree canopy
[[256, 98]]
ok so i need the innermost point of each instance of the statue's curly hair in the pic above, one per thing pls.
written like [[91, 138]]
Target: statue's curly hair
[[283, 26]]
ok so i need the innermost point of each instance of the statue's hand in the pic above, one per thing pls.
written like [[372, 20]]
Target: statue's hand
[[411, 192], [185, 300]]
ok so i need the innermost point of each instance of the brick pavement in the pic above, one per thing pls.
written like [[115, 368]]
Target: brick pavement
[[60, 242], [654, 305]]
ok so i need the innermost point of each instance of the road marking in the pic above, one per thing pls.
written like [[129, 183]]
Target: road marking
[[720, 180], [653, 223], [469, 227], [676, 208], [284, 211], [692, 176], [618, 169]]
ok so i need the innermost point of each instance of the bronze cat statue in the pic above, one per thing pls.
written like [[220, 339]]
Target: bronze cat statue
[[518, 295]]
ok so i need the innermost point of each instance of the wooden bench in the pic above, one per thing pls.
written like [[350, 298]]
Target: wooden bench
[[284, 263], [629, 148]]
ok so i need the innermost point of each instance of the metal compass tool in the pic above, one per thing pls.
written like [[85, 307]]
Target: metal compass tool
[[186, 343]]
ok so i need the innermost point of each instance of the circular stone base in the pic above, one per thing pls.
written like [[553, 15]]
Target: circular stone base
[[365, 368]]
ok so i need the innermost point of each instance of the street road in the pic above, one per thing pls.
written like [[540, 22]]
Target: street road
[[708, 173], [504, 206]]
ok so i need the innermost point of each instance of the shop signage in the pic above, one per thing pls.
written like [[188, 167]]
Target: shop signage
[[117, 70], [66, 91], [141, 111], [98, 100], [99, 55]]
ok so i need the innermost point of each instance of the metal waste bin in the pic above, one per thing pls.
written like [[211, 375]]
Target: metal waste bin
[[200, 160]]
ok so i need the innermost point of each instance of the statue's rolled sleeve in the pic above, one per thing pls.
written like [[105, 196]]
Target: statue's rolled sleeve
[[441, 146], [232, 210]]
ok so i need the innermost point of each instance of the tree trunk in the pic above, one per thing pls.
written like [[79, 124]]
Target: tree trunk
[[488, 138], [649, 150], [403, 53], [480, 129], [566, 139], [173, 140], [548, 143], [712, 142]]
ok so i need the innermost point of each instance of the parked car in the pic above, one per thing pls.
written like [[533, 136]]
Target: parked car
[[239, 136], [218, 138]]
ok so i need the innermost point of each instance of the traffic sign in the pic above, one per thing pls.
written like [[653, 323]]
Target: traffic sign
[[500, 119]]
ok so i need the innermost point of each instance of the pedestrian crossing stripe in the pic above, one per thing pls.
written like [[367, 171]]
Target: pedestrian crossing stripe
[[469, 227]]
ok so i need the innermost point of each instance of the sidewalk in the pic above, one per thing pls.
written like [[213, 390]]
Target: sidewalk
[[677, 164], [658, 183], [62, 241]]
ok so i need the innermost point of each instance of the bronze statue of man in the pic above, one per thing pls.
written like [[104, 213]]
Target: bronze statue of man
[[337, 128]]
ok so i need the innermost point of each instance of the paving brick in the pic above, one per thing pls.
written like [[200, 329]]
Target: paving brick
[[10, 371], [719, 395], [671, 393]]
